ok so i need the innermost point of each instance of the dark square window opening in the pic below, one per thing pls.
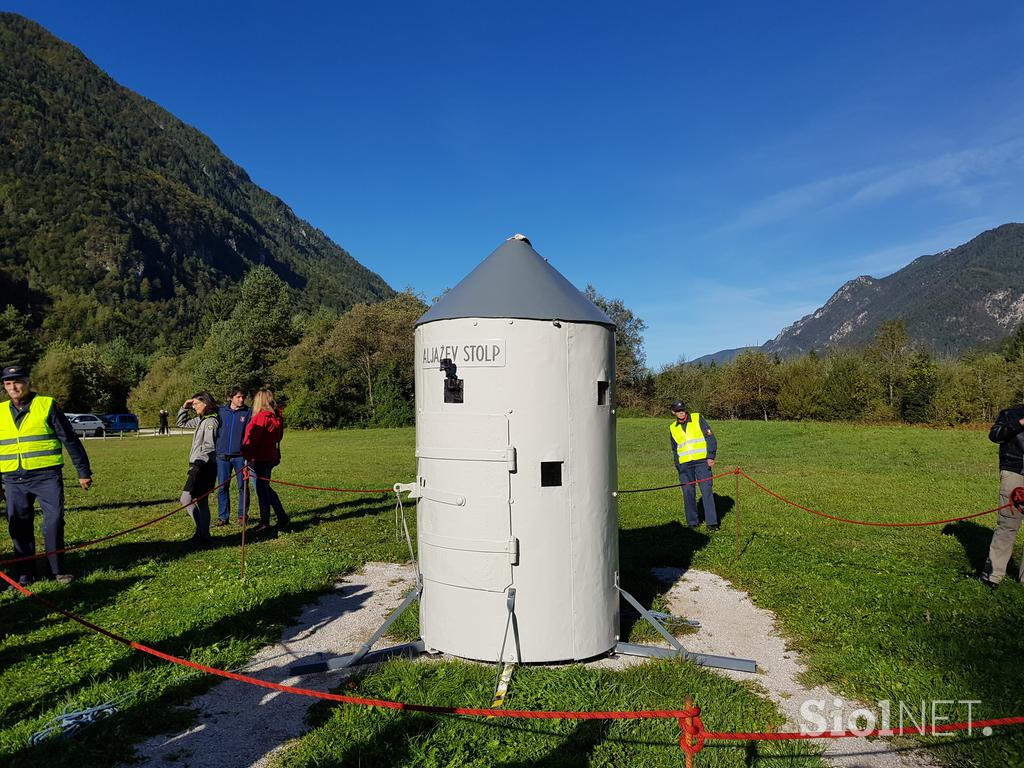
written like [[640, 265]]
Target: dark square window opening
[[550, 473], [602, 393]]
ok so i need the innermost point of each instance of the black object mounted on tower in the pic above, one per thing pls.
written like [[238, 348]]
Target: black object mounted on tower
[[452, 384]]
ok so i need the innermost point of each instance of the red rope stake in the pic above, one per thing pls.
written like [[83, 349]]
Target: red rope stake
[[246, 511], [691, 727], [736, 472], [140, 526], [784, 500]]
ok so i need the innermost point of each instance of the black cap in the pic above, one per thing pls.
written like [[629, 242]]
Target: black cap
[[15, 372], [677, 406]]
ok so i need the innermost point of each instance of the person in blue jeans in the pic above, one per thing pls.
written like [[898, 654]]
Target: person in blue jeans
[[234, 418], [693, 450]]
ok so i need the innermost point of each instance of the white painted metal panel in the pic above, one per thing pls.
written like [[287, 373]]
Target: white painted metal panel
[[539, 405]]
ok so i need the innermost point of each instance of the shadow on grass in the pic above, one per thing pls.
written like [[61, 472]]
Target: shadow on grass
[[723, 506], [344, 510], [574, 748], [22, 651], [121, 505], [28, 615], [975, 540], [669, 545], [391, 745], [103, 743], [129, 554]]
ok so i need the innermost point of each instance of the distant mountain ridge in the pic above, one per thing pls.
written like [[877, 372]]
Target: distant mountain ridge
[[116, 218], [951, 302]]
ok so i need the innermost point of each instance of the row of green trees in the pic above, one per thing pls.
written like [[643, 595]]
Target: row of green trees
[[330, 370], [356, 368], [891, 380]]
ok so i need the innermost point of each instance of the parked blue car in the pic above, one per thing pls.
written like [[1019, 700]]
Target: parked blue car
[[121, 422]]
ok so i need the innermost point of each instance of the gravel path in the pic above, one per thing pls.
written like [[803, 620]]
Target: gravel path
[[731, 625], [242, 725]]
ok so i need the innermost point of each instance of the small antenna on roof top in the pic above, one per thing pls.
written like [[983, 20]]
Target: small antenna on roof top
[[522, 237]]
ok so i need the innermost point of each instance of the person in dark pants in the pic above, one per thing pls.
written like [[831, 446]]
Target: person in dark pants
[[163, 422], [200, 413], [262, 448], [693, 450], [234, 418], [33, 430], [1008, 432]]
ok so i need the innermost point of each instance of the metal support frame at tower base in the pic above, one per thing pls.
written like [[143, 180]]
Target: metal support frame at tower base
[[701, 659], [677, 650], [348, 660], [353, 659]]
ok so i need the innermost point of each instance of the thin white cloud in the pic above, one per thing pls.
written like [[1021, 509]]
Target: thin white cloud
[[958, 172], [795, 200], [949, 171]]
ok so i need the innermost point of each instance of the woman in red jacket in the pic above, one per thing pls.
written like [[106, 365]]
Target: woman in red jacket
[[261, 448]]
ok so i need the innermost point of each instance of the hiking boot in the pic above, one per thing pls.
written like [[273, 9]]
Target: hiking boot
[[985, 582], [261, 528], [221, 523], [714, 527], [64, 578], [283, 521]]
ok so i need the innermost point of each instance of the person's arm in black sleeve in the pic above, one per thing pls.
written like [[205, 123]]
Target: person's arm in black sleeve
[[675, 448], [1007, 426], [60, 424], [710, 437]]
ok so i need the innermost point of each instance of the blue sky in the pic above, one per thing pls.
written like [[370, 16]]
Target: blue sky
[[722, 170]]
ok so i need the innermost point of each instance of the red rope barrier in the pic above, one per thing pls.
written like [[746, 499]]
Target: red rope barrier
[[653, 714], [318, 488], [678, 485], [784, 500], [82, 545], [693, 734]]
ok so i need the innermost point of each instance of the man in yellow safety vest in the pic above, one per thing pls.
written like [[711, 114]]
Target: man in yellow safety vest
[[693, 450], [33, 430]]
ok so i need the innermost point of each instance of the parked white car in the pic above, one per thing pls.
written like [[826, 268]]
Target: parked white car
[[86, 424]]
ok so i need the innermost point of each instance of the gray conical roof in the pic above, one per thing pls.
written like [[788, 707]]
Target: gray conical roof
[[515, 281]]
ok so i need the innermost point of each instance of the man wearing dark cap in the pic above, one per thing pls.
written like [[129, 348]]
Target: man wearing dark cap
[[32, 430], [693, 451]]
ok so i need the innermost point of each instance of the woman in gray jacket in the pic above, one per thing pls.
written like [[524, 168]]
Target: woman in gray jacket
[[200, 413]]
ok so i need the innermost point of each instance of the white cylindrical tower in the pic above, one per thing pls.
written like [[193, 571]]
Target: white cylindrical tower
[[515, 447]]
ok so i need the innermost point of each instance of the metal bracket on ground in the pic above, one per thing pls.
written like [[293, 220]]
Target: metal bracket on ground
[[364, 654], [677, 650]]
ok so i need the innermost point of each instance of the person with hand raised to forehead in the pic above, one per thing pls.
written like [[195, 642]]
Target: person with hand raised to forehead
[[200, 413]]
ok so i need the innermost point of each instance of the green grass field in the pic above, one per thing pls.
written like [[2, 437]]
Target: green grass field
[[877, 613]]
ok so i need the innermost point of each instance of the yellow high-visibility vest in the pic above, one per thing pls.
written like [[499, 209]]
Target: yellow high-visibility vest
[[690, 442], [33, 444]]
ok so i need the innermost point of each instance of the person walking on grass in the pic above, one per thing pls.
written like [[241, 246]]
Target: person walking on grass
[[234, 418], [200, 413], [693, 450], [261, 447], [1008, 432], [32, 430], [163, 422]]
